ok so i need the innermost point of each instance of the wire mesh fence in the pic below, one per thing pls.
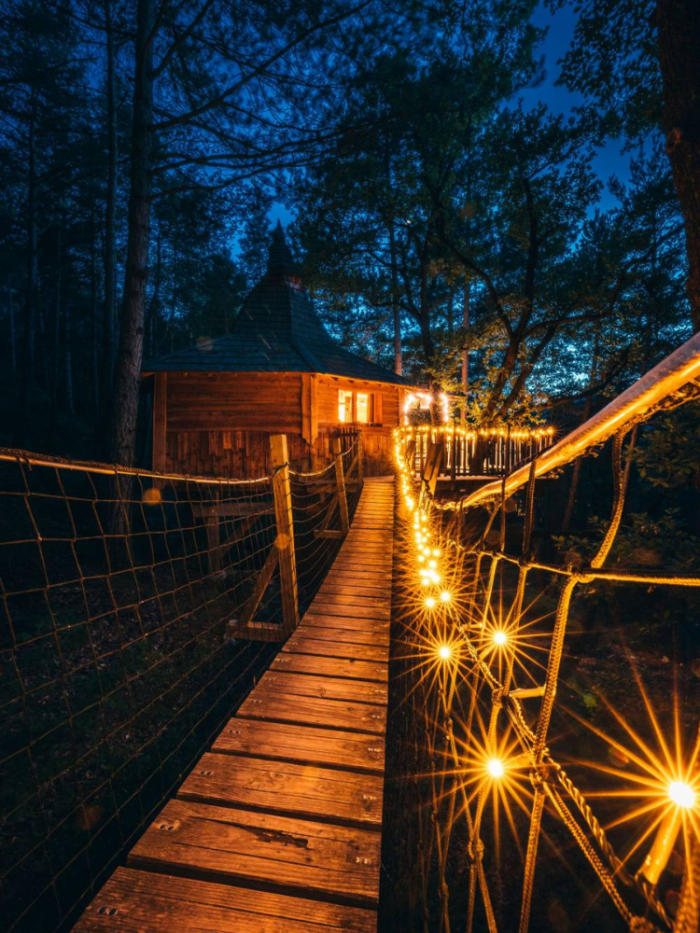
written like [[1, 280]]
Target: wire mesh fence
[[117, 590], [558, 748]]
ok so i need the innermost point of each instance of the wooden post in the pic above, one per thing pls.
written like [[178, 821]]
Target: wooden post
[[360, 459], [279, 458], [340, 481]]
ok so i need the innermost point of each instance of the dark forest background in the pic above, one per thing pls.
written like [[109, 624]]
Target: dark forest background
[[446, 228]]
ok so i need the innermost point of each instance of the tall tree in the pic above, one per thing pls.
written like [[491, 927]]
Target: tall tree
[[637, 66]]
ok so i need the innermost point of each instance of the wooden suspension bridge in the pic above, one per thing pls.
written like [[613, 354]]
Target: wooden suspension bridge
[[278, 827]]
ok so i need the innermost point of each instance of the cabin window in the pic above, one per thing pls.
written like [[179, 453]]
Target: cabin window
[[344, 406], [358, 408], [363, 408]]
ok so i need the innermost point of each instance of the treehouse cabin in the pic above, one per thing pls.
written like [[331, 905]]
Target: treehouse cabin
[[278, 372]]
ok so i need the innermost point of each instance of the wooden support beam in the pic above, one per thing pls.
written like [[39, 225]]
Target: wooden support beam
[[340, 481], [279, 458], [262, 582]]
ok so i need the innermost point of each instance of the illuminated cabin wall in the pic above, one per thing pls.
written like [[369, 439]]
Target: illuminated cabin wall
[[220, 423], [376, 437]]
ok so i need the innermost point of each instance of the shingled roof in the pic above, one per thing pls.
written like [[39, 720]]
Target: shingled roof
[[277, 330]]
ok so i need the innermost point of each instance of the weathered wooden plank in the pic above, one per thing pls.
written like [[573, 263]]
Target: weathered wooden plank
[[334, 688], [349, 636], [286, 855], [381, 600], [286, 788], [302, 744], [318, 619], [331, 667], [149, 902], [358, 590], [310, 711], [299, 644], [356, 610]]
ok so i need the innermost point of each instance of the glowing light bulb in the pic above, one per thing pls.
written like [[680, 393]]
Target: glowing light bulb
[[435, 577], [421, 558], [425, 582], [682, 794], [445, 652], [445, 596], [436, 552], [429, 603], [495, 768], [432, 564], [500, 638]]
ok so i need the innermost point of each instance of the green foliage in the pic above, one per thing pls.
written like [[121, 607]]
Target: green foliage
[[669, 457]]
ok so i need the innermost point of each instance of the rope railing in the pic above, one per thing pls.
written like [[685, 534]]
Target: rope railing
[[138, 609], [490, 634]]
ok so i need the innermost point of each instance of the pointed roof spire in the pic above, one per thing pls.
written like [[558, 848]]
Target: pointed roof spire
[[280, 258]]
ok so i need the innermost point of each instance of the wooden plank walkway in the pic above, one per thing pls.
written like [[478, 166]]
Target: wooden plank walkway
[[278, 828]]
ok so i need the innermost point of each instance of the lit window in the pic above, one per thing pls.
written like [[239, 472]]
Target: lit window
[[344, 406], [362, 413]]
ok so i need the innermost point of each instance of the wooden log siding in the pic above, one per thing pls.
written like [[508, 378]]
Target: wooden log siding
[[230, 401], [220, 423]]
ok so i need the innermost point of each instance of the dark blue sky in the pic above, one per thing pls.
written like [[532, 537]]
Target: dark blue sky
[[560, 31]]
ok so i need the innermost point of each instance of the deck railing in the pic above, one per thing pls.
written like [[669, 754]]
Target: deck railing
[[453, 452]]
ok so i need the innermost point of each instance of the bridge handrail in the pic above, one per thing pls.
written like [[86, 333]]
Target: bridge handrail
[[672, 374]]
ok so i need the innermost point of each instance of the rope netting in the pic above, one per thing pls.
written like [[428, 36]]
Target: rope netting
[[117, 594], [556, 744]]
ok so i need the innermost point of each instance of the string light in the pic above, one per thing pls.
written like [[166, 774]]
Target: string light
[[682, 794], [495, 767], [430, 603], [445, 596], [500, 638], [444, 652]]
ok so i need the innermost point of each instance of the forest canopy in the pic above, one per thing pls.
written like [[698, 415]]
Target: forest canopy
[[449, 227]]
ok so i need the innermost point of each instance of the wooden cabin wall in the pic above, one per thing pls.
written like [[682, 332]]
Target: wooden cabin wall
[[376, 438], [220, 423]]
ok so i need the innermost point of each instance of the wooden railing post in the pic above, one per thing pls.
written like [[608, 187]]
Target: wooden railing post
[[279, 457], [360, 459], [340, 484]]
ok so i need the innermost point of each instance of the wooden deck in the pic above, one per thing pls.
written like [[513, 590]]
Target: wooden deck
[[278, 828]]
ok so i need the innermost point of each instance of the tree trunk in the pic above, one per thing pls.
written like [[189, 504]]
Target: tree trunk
[[128, 371], [68, 357], [465, 325], [678, 23], [11, 311], [56, 330], [108, 322], [395, 305], [94, 322], [30, 300], [575, 478]]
